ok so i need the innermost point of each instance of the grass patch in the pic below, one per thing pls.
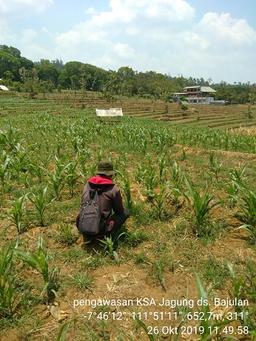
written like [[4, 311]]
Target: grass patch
[[215, 272], [82, 281]]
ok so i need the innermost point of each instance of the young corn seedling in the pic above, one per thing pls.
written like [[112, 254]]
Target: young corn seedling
[[176, 175], [160, 201], [238, 176], [209, 328], [57, 179], [150, 182], [158, 272], [162, 166], [202, 206], [247, 213], [9, 298], [140, 173], [127, 191], [20, 160], [110, 245], [9, 138], [57, 182], [4, 169], [71, 177], [36, 170], [17, 212], [234, 184], [214, 165], [41, 201], [39, 261]]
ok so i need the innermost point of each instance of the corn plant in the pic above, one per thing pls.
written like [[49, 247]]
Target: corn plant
[[127, 191], [17, 212], [4, 168], [159, 201], [176, 175], [238, 175], [110, 245], [140, 173], [6, 259], [39, 260], [36, 170], [9, 298], [150, 182], [234, 184], [214, 165], [57, 178], [211, 327], [41, 201], [244, 287], [71, 176], [19, 161], [201, 205], [247, 213], [158, 272], [162, 166], [9, 138]]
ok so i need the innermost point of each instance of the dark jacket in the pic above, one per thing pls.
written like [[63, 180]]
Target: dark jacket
[[110, 200]]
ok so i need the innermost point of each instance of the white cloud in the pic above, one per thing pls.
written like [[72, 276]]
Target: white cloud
[[123, 51], [159, 35], [128, 10], [7, 6], [28, 35], [223, 27], [109, 32]]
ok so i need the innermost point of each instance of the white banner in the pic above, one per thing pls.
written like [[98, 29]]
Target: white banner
[[109, 112]]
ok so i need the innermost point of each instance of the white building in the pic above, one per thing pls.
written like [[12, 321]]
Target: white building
[[196, 94]]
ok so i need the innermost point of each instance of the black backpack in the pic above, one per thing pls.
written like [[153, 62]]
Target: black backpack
[[90, 221]]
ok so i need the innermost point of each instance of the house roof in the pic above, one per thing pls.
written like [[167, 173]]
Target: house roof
[[207, 89], [200, 88], [4, 88], [192, 87]]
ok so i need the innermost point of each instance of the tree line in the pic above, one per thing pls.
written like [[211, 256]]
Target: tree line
[[22, 74]]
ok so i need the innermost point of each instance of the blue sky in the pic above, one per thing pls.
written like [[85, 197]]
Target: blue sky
[[199, 38]]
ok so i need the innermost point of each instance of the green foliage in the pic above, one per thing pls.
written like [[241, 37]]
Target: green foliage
[[208, 324], [82, 281], [41, 201], [158, 272], [39, 260], [66, 234], [215, 272], [244, 287], [134, 238], [214, 165], [141, 258], [10, 299], [247, 213], [202, 206], [17, 212], [127, 191]]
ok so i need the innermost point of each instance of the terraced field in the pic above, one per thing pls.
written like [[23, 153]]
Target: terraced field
[[231, 116], [184, 267]]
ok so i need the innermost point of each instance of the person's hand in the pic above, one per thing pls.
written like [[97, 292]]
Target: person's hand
[[110, 225]]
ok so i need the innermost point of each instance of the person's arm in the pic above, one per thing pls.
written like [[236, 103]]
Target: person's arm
[[117, 202]]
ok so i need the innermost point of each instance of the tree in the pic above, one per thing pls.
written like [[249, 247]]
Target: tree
[[47, 71]]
